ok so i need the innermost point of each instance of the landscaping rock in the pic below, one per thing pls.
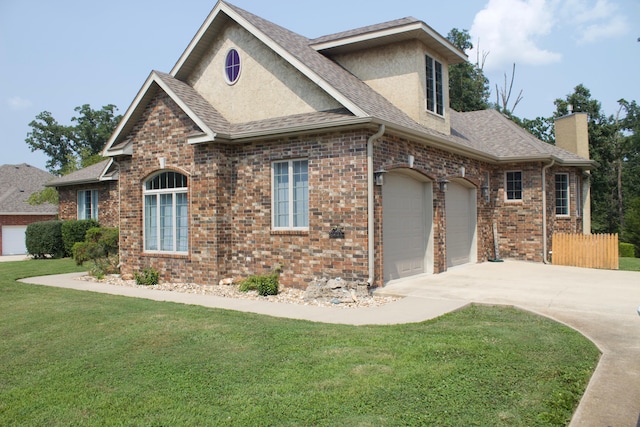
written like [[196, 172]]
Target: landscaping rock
[[337, 291]]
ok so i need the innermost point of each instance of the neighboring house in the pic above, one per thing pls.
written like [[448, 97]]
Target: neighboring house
[[17, 183], [335, 157], [90, 193]]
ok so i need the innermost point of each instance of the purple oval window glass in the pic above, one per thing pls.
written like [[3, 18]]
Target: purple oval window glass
[[232, 66]]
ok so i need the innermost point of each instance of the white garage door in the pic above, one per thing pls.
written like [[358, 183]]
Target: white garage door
[[13, 239], [407, 223], [460, 203]]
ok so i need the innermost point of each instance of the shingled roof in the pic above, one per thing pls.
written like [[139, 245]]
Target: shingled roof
[[90, 174], [487, 134], [17, 183]]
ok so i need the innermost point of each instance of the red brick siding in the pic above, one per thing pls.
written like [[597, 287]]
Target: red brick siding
[[230, 231], [21, 220], [107, 202]]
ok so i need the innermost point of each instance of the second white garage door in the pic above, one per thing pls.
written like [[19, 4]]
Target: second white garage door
[[13, 239], [407, 224], [460, 201]]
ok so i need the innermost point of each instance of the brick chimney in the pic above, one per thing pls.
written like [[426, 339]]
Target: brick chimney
[[572, 134]]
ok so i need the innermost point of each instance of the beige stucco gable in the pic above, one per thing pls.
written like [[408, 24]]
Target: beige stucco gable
[[268, 86], [397, 71]]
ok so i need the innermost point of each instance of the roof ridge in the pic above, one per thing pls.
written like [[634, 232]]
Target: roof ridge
[[366, 29]]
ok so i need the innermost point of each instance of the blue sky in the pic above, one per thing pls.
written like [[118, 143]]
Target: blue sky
[[57, 55]]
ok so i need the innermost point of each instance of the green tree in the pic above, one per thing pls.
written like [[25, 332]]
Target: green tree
[[468, 86], [48, 195], [541, 127], [75, 146]]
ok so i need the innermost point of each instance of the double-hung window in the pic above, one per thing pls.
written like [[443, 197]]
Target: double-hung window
[[562, 194], [166, 220], [513, 187], [88, 204], [290, 194], [435, 92]]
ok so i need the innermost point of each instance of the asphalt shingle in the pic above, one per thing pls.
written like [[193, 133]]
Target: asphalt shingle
[[17, 183]]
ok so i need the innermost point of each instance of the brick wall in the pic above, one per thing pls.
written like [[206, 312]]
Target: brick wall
[[230, 203], [230, 232], [107, 202], [21, 220]]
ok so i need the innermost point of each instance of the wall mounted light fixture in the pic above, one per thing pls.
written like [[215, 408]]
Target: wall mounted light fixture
[[443, 184], [378, 177]]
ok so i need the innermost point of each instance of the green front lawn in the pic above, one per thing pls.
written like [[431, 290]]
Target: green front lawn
[[629, 264], [79, 358]]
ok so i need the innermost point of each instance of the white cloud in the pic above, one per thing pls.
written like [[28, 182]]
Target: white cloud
[[507, 30], [594, 22], [18, 103], [512, 31]]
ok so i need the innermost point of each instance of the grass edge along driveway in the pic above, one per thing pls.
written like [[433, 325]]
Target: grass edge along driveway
[[79, 358]]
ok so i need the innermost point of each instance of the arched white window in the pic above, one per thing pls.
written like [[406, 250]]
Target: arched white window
[[166, 216]]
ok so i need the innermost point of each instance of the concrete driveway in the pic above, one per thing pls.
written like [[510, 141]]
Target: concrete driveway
[[600, 304]]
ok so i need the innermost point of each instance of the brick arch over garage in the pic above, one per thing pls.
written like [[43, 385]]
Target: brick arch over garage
[[407, 224]]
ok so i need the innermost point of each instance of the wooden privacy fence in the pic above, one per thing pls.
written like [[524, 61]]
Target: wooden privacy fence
[[585, 250]]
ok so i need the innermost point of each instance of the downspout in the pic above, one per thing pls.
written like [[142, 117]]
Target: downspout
[[370, 206], [544, 211]]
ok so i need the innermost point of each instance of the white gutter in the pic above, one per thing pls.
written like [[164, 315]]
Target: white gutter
[[370, 207], [544, 211]]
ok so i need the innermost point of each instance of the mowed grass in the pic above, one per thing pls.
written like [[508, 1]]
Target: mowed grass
[[629, 264], [78, 358]]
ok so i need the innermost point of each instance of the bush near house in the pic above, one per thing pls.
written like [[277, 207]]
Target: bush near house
[[266, 284], [100, 246], [626, 250], [75, 231], [44, 239]]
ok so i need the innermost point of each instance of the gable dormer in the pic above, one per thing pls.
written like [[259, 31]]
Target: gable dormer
[[405, 61]]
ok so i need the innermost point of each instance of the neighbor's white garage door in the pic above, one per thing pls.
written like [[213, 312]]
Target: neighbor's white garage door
[[407, 223], [13, 237], [460, 210]]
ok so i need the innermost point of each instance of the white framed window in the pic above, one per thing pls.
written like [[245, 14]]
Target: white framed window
[[562, 194], [290, 195], [513, 185], [435, 90], [88, 204], [232, 67], [166, 213]]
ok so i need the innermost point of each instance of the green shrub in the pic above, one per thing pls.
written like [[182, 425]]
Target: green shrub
[[148, 277], [86, 251], [266, 284], [626, 250], [45, 238], [269, 285], [75, 231], [101, 247], [106, 237]]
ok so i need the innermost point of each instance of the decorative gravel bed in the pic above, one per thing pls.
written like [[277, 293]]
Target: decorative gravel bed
[[285, 295]]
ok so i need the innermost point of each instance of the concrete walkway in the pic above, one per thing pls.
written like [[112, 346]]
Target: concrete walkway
[[600, 304]]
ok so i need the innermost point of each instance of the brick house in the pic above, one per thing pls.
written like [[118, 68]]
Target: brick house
[[334, 156], [17, 184], [89, 193]]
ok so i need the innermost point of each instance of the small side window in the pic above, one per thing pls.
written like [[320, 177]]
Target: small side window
[[232, 66], [513, 185]]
